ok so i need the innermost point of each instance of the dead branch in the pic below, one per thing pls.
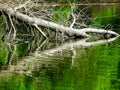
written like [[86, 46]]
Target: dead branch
[[54, 26], [10, 11]]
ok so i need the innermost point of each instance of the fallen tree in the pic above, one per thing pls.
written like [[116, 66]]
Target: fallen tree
[[12, 11]]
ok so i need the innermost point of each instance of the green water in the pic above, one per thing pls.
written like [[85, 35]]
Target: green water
[[95, 67]]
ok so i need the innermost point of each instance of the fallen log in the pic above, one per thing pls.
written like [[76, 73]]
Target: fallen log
[[54, 26]]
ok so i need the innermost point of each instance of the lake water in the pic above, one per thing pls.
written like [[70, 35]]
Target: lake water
[[72, 65]]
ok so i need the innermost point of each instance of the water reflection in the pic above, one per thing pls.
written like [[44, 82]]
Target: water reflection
[[43, 58], [65, 67]]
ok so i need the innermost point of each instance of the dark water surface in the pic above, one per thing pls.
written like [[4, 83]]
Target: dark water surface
[[96, 67]]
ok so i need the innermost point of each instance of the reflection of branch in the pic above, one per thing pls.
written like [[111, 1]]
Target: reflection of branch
[[73, 55], [41, 45], [68, 45], [28, 64], [14, 55]]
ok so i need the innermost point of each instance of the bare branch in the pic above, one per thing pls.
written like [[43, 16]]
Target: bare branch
[[40, 30], [14, 35], [22, 5], [54, 26], [72, 13]]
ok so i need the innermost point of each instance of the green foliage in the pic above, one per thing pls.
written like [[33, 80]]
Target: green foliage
[[61, 14], [103, 16], [1, 19], [22, 49], [96, 67], [67, 1], [16, 82]]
